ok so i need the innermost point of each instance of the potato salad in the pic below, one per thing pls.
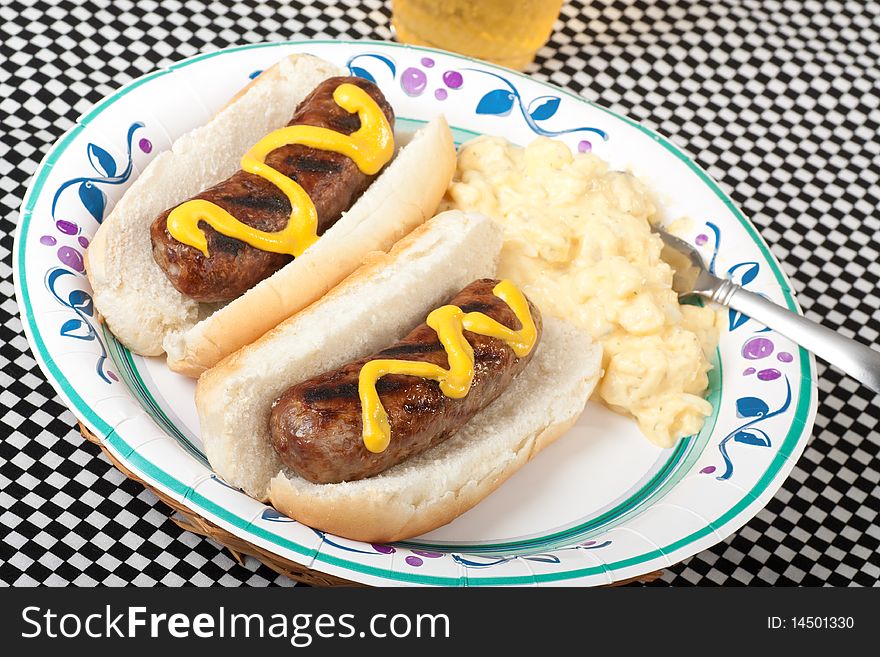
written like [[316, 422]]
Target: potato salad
[[578, 241]]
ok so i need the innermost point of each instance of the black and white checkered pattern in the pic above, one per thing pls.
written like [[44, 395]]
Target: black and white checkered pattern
[[777, 100]]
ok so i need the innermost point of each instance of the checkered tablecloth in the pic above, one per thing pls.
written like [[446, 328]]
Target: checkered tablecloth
[[777, 100]]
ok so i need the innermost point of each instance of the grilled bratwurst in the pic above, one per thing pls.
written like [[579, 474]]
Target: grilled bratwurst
[[316, 426], [332, 181]]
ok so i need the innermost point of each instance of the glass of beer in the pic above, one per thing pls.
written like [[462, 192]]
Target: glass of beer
[[507, 32]]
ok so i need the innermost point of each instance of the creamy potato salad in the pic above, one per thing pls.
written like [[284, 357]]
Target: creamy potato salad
[[578, 241]]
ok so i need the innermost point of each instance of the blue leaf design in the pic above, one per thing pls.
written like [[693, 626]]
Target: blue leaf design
[[543, 558], [754, 437], [497, 102], [735, 319], [69, 328], [70, 325], [94, 200], [545, 110], [717, 232], [747, 433], [751, 407], [479, 564], [101, 160], [362, 73], [82, 301], [273, 515], [388, 63], [749, 275]]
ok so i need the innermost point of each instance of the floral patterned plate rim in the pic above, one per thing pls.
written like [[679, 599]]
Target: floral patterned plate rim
[[600, 505]]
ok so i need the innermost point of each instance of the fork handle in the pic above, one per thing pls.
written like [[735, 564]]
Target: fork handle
[[859, 361]]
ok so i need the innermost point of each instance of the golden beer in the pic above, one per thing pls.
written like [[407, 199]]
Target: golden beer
[[507, 32]]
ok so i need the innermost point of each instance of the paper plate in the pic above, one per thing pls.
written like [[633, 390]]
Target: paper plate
[[598, 506]]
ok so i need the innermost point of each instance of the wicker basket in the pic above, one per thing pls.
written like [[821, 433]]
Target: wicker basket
[[187, 519]]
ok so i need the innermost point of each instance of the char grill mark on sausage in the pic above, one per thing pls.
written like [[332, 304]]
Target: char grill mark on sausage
[[475, 307], [316, 426], [409, 349], [331, 180], [327, 393], [271, 204], [299, 163]]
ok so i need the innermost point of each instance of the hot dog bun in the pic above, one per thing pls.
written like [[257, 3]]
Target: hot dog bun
[[374, 306], [149, 316]]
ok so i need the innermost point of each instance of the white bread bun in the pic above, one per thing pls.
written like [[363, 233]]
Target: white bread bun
[[376, 305], [149, 316], [431, 489]]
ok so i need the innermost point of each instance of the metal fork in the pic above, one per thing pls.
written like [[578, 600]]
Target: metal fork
[[691, 277]]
